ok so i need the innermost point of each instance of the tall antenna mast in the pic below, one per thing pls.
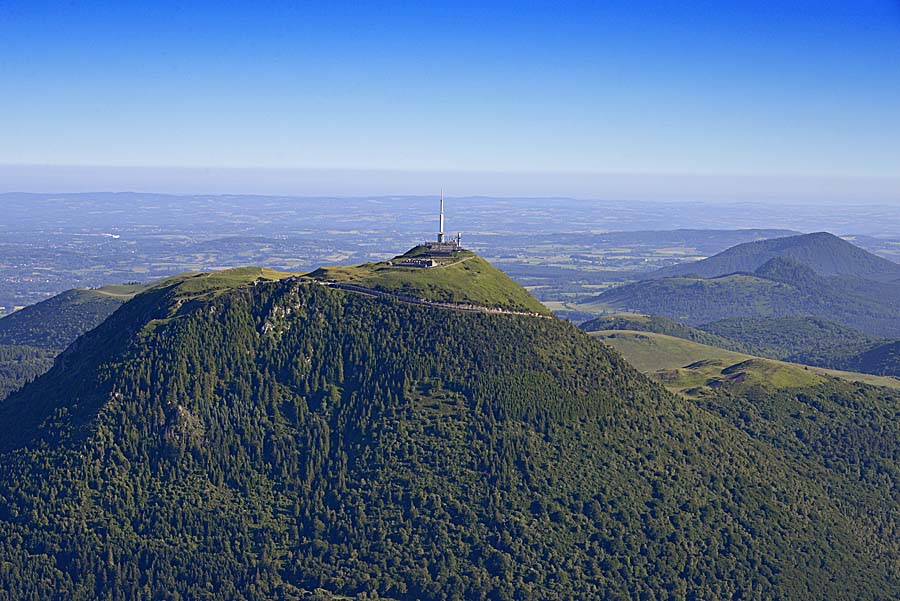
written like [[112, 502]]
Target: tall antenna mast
[[441, 231]]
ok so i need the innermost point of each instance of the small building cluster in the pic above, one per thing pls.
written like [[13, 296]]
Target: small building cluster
[[443, 248]]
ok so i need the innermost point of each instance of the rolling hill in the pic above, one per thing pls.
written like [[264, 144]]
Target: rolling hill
[[57, 321], [824, 253], [778, 288], [695, 369], [31, 337], [883, 359], [254, 435], [663, 325], [797, 339]]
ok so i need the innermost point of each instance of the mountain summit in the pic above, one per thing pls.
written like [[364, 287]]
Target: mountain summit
[[824, 253]]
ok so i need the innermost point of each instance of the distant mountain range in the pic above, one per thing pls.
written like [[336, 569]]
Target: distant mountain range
[[813, 275]]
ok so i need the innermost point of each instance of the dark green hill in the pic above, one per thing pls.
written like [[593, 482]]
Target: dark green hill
[[824, 253], [229, 437], [21, 364], [882, 359], [57, 321], [800, 339], [663, 325], [31, 337], [779, 288]]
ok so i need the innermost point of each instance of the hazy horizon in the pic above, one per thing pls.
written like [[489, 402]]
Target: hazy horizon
[[793, 102], [369, 182]]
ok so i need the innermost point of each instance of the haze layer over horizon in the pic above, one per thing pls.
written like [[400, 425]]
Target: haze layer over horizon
[[651, 99]]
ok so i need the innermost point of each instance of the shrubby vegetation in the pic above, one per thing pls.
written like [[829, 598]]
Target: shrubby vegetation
[[281, 437]]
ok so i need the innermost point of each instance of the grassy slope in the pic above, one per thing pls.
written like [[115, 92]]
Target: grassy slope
[[689, 367], [468, 279], [663, 325]]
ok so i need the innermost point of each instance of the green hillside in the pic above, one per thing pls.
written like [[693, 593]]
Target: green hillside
[[57, 321], [464, 278], [662, 325], [21, 364], [779, 288], [696, 369], [226, 437], [797, 339], [824, 253], [883, 359]]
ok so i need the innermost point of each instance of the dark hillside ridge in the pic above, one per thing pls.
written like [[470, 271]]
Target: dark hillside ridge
[[663, 325], [806, 340], [57, 321], [227, 436], [824, 253], [779, 288], [882, 359]]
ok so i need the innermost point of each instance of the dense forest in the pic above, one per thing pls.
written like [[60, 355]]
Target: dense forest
[[282, 437], [57, 321], [806, 340], [882, 359], [21, 364]]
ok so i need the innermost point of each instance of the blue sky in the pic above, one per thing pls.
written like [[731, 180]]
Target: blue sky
[[776, 89]]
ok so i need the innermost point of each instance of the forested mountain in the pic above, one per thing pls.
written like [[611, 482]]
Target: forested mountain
[[824, 253], [779, 288], [57, 321], [31, 337], [229, 436]]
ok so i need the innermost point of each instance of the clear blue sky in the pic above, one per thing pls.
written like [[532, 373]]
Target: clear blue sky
[[776, 88]]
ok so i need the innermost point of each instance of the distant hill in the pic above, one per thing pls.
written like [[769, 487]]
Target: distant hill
[[255, 435], [824, 253], [798, 339], [57, 321], [779, 288], [804, 340], [21, 364], [883, 359]]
